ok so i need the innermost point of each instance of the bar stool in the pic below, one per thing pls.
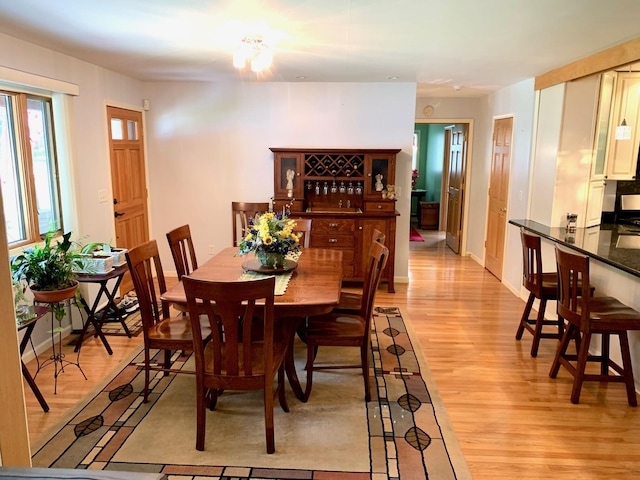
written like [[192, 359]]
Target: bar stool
[[586, 316], [541, 285]]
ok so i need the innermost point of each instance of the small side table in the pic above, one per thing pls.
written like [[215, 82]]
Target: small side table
[[102, 279], [36, 312], [420, 195]]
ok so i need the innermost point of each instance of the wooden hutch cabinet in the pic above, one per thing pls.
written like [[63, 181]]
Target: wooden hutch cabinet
[[344, 192]]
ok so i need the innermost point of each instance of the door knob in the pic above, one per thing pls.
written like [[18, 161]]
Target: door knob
[[117, 214]]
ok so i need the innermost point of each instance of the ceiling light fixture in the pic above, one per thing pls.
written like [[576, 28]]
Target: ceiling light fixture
[[623, 131], [253, 50]]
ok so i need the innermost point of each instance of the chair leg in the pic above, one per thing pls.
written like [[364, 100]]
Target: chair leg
[[268, 415], [201, 416], [583, 355], [364, 358], [538, 330], [147, 367], [628, 369], [525, 316], [604, 348], [561, 350], [167, 361], [282, 397], [311, 351]]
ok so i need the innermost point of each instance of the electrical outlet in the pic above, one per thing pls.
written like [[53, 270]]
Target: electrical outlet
[[103, 196], [212, 249]]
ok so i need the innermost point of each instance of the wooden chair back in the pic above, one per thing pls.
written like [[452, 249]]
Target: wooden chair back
[[242, 212], [574, 291], [149, 283], [182, 250], [531, 263], [230, 307], [378, 255], [303, 228]]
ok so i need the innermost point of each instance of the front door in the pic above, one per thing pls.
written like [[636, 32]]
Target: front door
[[498, 194], [126, 141], [457, 159]]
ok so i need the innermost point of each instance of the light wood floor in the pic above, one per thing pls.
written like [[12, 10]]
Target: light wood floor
[[511, 419]]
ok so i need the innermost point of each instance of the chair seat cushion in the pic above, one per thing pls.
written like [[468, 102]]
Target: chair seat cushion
[[176, 329], [610, 313], [335, 329]]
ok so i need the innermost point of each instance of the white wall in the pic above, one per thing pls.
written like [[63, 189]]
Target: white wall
[[517, 100], [209, 145]]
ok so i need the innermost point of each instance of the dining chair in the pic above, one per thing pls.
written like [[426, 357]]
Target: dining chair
[[182, 251], [303, 228], [587, 316], [235, 359], [351, 302], [160, 330], [541, 285], [242, 212], [347, 329]]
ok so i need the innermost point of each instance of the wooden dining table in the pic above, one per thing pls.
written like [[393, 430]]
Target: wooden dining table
[[313, 289]]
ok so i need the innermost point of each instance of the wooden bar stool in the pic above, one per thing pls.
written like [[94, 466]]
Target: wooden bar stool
[[541, 285], [585, 316]]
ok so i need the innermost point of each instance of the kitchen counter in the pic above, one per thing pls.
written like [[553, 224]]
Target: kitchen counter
[[614, 244]]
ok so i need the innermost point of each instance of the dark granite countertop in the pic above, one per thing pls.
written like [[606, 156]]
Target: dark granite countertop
[[614, 244]]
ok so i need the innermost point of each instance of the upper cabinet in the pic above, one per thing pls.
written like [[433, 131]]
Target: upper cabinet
[[622, 155]]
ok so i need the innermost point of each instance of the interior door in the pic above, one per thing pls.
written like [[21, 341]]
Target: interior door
[[498, 194], [128, 179], [457, 156]]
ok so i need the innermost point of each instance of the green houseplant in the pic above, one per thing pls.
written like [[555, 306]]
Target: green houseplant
[[48, 270]]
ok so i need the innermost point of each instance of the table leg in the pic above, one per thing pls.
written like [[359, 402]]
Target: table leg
[[91, 318], [289, 328], [27, 374], [112, 303], [34, 388]]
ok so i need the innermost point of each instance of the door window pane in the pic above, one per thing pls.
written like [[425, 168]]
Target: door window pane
[[116, 129], [132, 130]]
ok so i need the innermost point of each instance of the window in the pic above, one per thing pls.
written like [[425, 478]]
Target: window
[[28, 168]]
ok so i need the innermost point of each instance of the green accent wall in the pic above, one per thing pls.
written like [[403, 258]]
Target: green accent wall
[[430, 158]]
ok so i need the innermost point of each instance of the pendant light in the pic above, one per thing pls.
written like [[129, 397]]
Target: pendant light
[[623, 131]]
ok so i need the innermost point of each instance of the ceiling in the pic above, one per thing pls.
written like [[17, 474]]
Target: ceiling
[[461, 48]]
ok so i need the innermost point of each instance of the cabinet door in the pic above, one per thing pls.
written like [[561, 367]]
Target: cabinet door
[[594, 203], [288, 175], [379, 173], [622, 155], [603, 126]]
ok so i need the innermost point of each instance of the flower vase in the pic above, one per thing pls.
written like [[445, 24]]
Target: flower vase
[[271, 259]]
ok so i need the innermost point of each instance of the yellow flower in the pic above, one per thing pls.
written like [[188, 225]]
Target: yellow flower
[[267, 240], [295, 238]]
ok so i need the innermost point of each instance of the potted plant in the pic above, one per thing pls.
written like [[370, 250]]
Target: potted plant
[[48, 270]]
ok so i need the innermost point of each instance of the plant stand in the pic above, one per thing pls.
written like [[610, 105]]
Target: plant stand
[[57, 358]]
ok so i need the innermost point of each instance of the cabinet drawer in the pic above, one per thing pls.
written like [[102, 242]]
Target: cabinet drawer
[[327, 240], [333, 225], [379, 207]]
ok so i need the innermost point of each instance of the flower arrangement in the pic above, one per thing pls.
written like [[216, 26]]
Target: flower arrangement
[[414, 176], [271, 237]]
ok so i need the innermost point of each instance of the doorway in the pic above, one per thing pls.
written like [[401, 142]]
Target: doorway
[[453, 140], [128, 180]]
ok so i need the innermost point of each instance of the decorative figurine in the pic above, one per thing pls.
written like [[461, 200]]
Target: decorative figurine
[[379, 186], [291, 173]]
